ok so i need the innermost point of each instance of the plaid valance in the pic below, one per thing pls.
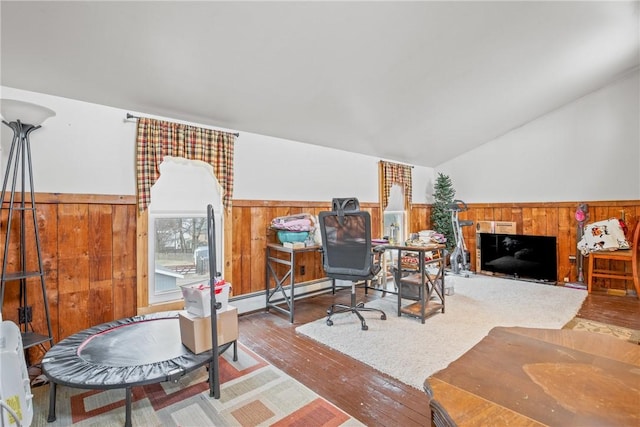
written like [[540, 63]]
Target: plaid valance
[[156, 139], [395, 173]]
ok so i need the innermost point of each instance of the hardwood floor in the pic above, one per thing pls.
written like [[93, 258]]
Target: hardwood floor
[[368, 395]]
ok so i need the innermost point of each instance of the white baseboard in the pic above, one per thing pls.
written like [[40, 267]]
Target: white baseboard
[[258, 300]]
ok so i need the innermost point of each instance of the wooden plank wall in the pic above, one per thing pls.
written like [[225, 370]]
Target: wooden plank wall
[[251, 233], [552, 219], [89, 249]]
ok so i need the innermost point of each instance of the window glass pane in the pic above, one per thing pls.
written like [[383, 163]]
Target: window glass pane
[[181, 253], [394, 216]]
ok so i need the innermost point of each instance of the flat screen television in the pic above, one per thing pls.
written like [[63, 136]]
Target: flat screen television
[[519, 256]]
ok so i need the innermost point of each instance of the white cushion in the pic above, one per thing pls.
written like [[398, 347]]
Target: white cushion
[[606, 235]]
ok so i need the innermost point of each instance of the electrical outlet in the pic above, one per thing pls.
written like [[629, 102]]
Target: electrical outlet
[[302, 270], [25, 315]]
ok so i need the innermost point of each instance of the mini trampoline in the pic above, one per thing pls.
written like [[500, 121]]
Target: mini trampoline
[[125, 353]]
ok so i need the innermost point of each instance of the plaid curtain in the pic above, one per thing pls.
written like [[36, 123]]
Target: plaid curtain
[[156, 139], [394, 173]]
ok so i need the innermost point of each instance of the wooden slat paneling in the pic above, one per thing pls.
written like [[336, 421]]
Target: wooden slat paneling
[[73, 268], [125, 259], [88, 248]]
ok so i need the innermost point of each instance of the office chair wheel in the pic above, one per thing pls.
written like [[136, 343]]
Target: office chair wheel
[[364, 327], [329, 322], [383, 316]]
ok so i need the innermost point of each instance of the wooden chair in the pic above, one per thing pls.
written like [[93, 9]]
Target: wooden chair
[[626, 256]]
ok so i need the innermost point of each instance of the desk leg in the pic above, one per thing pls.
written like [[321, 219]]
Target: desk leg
[[398, 274], [272, 263], [424, 287], [292, 281], [267, 278]]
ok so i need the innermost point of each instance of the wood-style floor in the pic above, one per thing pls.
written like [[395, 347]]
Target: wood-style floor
[[366, 394]]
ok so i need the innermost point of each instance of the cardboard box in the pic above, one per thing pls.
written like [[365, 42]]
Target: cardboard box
[[484, 227], [504, 227], [496, 227], [196, 331], [197, 298]]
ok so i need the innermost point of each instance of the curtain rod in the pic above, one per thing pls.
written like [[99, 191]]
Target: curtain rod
[[131, 116]]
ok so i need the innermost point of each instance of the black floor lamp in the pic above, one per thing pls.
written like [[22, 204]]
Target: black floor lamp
[[23, 118]]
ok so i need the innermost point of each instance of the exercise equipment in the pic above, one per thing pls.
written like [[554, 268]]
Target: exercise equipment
[[125, 353], [135, 351], [459, 259]]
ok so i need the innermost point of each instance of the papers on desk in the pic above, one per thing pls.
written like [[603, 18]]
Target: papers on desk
[[294, 245], [430, 237]]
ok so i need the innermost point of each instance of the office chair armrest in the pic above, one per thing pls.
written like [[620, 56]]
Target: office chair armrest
[[379, 248]]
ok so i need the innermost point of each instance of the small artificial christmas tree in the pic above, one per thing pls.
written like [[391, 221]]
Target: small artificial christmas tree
[[440, 214]]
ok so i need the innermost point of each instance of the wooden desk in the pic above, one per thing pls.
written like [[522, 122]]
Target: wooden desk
[[430, 286], [535, 377]]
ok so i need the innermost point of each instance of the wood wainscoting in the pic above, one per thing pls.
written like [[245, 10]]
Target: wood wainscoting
[[553, 219], [91, 249], [88, 247]]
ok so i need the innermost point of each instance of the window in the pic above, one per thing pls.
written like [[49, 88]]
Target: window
[[394, 217], [178, 239]]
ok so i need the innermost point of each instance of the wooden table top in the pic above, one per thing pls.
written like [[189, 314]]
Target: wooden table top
[[417, 248], [535, 377]]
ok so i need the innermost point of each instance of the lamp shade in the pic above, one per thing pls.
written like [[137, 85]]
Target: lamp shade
[[13, 110]]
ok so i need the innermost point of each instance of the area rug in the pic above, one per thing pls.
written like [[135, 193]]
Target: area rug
[[253, 393], [626, 334], [410, 351]]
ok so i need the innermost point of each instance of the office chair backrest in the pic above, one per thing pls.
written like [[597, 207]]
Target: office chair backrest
[[346, 244], [345, 204], [348, 204]]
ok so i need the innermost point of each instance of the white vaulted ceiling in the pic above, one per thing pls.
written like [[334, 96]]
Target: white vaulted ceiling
[[416, 82]]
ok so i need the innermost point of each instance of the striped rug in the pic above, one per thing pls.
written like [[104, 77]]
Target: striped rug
[[253, 393]]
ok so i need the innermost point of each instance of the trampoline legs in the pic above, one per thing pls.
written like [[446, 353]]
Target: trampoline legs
[[52, 402], [127, 420]]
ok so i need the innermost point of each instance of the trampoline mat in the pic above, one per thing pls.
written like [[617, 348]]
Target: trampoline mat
[[127, 352]]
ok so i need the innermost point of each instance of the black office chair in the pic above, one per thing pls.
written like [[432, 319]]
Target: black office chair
[[347, 252]]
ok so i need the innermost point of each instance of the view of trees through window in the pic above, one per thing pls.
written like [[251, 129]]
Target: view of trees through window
[[181, 252]]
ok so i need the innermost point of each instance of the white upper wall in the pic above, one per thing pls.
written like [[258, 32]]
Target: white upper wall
[[90, 149], [586, 150]]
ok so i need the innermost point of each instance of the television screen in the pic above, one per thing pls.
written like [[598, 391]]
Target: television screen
[[520, 256]]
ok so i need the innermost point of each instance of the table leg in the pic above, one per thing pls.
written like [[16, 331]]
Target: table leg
[[398, 279], [292, 281]]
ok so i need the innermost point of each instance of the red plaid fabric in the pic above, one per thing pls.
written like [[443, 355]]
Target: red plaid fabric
[[394, 173], [156, 139]]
